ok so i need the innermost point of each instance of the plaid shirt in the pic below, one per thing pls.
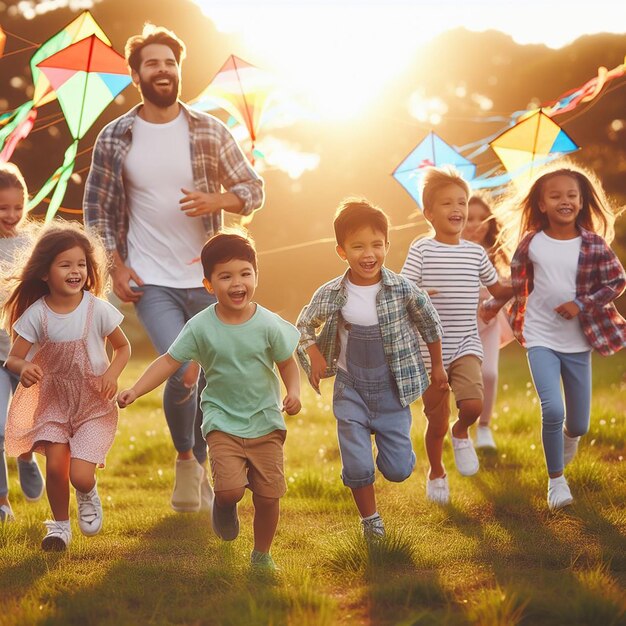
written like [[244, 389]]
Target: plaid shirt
[[600, 279], [216, 161], [402, 309]]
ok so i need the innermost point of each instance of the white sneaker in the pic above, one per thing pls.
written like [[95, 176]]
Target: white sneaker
[[206, 492], [484, 438], [570, 447], [186, 494], [373, 528], [438, 490], [89, 512], [6, 513], [559, 494], [58, 537], [465, 456]]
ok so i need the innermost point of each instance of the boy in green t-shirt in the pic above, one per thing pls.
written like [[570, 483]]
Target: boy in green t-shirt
[[237, 342]]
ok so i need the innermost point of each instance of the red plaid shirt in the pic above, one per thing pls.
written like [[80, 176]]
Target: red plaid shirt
[[600, 279]]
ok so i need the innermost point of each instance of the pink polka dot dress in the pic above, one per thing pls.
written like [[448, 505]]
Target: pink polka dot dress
[[66, 405]]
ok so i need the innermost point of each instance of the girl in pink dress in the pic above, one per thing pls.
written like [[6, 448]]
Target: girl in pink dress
[[64, 406], [483, 228]]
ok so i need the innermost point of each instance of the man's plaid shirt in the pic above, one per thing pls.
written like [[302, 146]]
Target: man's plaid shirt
[[600, 279], [403, 309], [216, 162]]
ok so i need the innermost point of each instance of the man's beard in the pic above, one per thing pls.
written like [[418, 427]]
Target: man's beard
[[159, 99]]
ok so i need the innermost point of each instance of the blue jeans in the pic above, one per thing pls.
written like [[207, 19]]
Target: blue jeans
[[366, 402], [548, 368], [8, 383], [163, 311]]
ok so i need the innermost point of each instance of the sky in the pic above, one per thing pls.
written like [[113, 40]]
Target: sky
[[335, 56], [351, 48]]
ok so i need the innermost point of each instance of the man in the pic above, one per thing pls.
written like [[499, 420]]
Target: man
[[155, 194]]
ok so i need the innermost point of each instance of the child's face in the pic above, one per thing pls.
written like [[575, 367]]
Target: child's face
[[364, 250], [68, 273], [233, 283], [560, 200], [448, 213], [11, 210], [477, 226]]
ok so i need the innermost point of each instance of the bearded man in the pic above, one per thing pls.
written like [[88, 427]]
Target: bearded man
[[160, 177]]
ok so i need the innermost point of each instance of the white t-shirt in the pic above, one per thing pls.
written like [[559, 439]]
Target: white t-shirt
[[163, 242], [456, 273], [8, 246], [70, 326], [360, 309], [555, 263]]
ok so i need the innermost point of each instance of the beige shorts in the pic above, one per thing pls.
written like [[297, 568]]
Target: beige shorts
[[254, 463], [466, 378]]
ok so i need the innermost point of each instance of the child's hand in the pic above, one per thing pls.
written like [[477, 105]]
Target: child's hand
[[190, 375], [30, 374], [485, 314], [432, 292], [291, 404], [126, 397], [439, 377], [318, 368], [108, 385], [568, 310]]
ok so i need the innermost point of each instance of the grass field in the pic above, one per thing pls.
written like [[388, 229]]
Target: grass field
[[494, 556]]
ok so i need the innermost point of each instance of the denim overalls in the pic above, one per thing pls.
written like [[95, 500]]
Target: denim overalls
[[366, 402]]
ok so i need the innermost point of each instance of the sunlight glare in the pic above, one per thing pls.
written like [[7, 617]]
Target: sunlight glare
[[339, 61]]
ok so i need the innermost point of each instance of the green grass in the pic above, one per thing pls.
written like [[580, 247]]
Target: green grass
[[494, 556]]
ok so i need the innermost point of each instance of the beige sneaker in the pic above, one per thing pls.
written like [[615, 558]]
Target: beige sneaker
[[186, 494], [206, 491]]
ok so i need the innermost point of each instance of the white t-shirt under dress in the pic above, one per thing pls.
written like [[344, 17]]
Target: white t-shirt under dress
[[66, 405]]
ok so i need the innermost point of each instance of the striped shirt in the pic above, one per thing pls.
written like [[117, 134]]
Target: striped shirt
[[455, 273], [216, 162]]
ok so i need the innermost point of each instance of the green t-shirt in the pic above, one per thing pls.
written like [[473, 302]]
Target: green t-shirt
[[242, 394]]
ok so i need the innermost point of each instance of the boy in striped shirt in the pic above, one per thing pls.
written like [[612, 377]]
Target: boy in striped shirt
[[451, 271]]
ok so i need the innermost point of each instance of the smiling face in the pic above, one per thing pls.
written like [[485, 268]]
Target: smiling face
[[68, 273], [561, 202], [448, 213], [364, 250], [159, 75], [477, 226], [11, 210], [233, 283]]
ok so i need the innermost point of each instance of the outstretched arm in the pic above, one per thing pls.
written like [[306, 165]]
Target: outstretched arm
[[158, 372], [291, 378]]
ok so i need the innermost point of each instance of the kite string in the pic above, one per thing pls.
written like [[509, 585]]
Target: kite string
[[32, 43], [312, 242]]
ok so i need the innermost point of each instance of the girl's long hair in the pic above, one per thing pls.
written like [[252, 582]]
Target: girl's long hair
[[27, 285], [497, 255], [519, 213]]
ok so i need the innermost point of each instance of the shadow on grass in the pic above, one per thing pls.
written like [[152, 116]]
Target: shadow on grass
[[181, 573]]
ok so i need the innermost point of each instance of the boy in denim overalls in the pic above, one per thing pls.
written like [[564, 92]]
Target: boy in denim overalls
[[370, 318]]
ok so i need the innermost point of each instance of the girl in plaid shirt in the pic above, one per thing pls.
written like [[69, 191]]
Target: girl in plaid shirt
[[565, 278]]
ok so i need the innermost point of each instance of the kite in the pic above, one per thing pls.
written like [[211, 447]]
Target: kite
[[533, 141], [3, 40], [18, 123], [86, 76], [432, 151], [243, 91]]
